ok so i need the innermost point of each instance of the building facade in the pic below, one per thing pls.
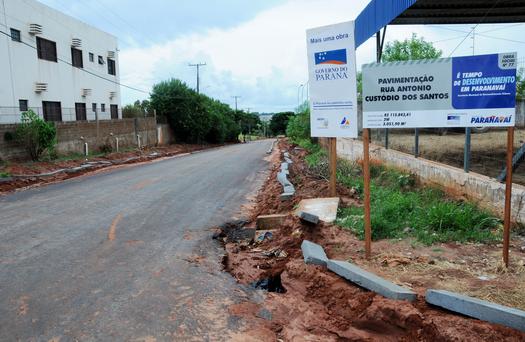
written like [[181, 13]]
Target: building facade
[[60, 67]]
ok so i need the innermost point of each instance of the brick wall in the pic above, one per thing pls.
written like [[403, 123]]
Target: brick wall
[[9, 149], [96, 134]]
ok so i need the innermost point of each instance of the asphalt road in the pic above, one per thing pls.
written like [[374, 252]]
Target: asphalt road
[[126, 255]]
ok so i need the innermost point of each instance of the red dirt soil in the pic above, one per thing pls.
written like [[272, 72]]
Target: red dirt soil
[[320, 306], [35, 168]]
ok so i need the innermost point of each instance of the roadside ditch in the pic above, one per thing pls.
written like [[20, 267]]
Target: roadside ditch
[[306, 302], [22, 175]]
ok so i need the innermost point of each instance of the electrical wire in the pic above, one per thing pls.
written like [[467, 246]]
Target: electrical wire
[[474, 28]]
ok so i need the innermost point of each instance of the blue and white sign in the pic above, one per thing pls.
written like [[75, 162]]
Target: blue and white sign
[[332, 78], [473, 91]]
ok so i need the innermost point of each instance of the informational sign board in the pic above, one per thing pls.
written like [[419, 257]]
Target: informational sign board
[[473, 91], [332, 78]]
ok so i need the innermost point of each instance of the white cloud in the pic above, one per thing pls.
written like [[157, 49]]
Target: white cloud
[[264, 59]]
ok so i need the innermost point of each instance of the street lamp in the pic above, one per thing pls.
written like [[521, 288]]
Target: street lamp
[[299, 89]]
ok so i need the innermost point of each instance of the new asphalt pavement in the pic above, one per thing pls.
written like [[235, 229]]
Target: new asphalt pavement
[[126, 254]]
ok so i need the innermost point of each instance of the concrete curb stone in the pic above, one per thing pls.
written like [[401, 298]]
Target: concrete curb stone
[[370, 281], [313, 254], [477, 308]]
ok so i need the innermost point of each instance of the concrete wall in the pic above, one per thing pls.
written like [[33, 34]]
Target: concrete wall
[[165, 135], [20, 66], [96, 135], [484, 190]]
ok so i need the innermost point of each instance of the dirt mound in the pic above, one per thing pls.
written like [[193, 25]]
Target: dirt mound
[[29, 174], [316, 304]]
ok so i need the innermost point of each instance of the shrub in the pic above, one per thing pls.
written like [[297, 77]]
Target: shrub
[[35, 135], [9, 136], [299, 126], [197, 118]]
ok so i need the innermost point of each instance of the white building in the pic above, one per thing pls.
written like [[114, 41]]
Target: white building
[[63, 69]]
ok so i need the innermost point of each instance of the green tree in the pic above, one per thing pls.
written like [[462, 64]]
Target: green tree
[[520, 84], [299, 125], [410, 49], [35, 135], [197, 118], [184, 109], [137, 110], [279, 122], [247, 121]]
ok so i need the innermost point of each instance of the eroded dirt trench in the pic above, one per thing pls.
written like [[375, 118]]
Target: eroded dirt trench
[[310, 303]]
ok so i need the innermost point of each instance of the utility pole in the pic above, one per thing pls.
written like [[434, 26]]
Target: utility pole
[[198, 65], [236, 97]]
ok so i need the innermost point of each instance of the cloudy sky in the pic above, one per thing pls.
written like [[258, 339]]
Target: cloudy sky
[[255, 49]]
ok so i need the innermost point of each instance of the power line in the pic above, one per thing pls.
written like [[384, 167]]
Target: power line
[[482, 19], [115, 14], [499, 38], [62, 23], [82, 69]]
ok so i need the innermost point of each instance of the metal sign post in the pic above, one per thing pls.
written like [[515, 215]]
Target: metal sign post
[[333, 166], [366, 176], [508, 196]]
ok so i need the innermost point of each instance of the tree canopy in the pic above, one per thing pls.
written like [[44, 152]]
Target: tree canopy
[[197, 118], [279, 122], [410, 49]]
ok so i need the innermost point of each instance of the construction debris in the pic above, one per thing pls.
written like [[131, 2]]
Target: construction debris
[[324, 208], [309, 218], [266, 222]]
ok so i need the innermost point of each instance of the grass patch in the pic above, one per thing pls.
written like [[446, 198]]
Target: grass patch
[[5, 174], [400, 208]]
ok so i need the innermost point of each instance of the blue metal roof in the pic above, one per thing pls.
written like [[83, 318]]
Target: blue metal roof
[[377, 15], [380, 13]]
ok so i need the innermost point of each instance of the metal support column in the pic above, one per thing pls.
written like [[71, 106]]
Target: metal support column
[[466, 152]]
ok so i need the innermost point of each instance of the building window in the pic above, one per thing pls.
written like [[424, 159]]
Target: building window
[[103, 107], [114, 111], [80, 111], [15, 35], [91, 57], [94, 107], [46, 49], [111, 67], [52, 111], [23, 105], [100, 60], [76, 58]]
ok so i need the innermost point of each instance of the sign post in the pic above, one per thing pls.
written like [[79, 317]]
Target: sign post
[[333, 87], [508, 196], [472, 91]]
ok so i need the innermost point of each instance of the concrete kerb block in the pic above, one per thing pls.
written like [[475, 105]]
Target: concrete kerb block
[[281, 177], [477, 308], [309, 218], [313, 254], [288, 160], [286, 196], [289, 189], [370, 281], [284, 166]]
